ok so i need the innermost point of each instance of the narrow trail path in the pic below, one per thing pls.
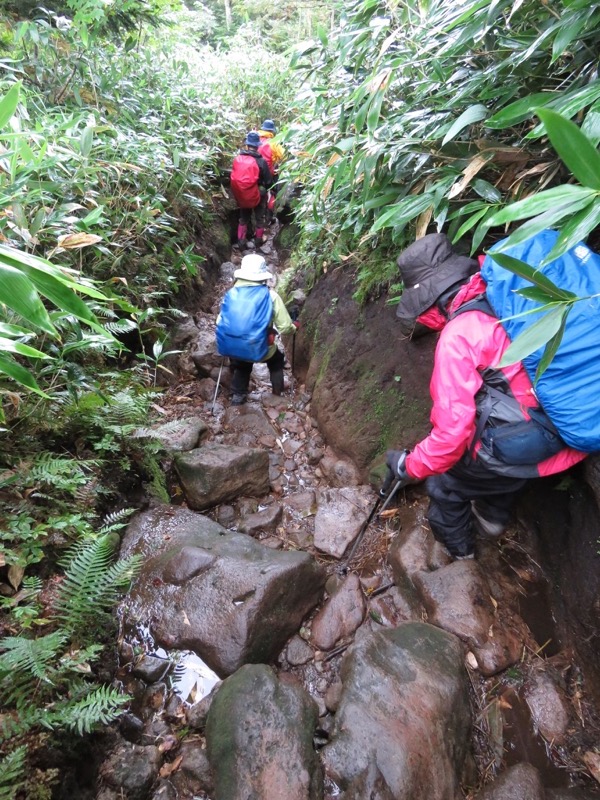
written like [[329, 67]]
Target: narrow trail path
[[523, 688]]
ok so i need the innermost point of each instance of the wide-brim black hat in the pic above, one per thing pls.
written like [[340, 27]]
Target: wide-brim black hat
[[429, 267]]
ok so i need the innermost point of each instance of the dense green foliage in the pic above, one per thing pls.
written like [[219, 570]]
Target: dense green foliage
[[421, 117]]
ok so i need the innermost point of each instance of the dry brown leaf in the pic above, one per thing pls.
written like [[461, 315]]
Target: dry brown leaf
[[502, 703], [592, 762], [423, 221], [2, 559], [15, 576], [472, 661], [494, 602], [170, 768], [73, 241], [388, 513], [473, 167]]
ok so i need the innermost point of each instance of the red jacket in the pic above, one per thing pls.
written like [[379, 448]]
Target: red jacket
[[468, 344]]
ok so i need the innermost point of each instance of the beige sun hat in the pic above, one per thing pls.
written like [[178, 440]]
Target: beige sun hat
[[253, 268]]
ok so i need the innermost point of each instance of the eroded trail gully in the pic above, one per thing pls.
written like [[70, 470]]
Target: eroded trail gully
[[260, 670]]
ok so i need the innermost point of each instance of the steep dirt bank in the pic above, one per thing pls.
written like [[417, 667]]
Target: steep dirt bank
[[369, 385], [371, 392]]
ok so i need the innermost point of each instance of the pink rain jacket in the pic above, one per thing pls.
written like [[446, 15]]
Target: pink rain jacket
[[468, 344]]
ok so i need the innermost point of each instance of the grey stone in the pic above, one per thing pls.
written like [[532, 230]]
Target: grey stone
[[164, 791], [241, 609], [402, 726], [180, 435], [266, 520], [548, 707], [341, 615], [226, 270], [303, 503], [333, 696], [151, 668], [218, 473], [226, 516], [248, 419], [260, 739], [194, 773], [204, 353], [340, 514], [457, 598], [338, 471], [183, 333], [197, 714], [188, 563], [132, 768], [298, 652], [521, 782]]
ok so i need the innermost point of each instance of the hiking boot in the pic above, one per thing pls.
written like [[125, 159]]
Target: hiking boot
[[470, 557], [238, 399], [487, 527], [277, 382]]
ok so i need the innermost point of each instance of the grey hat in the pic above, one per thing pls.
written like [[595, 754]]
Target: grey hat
[[429, 267]]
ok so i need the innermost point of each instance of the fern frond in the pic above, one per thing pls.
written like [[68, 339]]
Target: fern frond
[[92, 586], [21, 655], [120, 326], [12, 773], [103, 705], [116, 520]]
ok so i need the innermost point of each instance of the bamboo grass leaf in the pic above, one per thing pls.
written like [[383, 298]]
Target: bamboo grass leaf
[[540, 332], [578, 153]]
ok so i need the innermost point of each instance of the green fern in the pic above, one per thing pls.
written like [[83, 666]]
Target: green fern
[[92, 584], [12, 773], [29, 657]]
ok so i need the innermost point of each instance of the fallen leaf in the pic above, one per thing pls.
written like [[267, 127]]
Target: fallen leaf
[[472, 661], [592, 762], [15, 576], [494, 602], [168, 744], [73, 241], [186, 620], [170, 768], [389, 513]]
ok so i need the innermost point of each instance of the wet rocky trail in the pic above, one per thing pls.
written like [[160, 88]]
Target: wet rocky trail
[[264, 666]]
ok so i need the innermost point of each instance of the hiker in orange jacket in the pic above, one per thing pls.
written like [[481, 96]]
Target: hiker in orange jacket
[[271, 151], [250, 181]]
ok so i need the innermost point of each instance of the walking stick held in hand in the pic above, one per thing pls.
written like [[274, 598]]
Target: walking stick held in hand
[[385, 497], [212, 409]]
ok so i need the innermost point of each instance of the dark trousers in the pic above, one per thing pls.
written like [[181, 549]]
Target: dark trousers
[[260, 213], [450, 497], [243, 369]]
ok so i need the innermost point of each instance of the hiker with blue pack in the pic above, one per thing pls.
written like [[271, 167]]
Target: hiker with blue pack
[[251, 314], [490, 432]]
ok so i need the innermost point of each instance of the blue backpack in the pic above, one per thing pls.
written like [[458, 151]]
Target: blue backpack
[[244, 322], [568, 389]]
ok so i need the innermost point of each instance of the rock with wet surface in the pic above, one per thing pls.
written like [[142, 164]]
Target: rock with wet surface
[[340, 514], [521, 782], [548, 707], [240, 609], [504, 646], [341, 615], [217, 473], [197, 714], [298, 652], [132, 769], [401, 729], [338, 471], [151, 668], [457, 598], [260, 739], [266, 520], [180, 435], [204, 353], [194, 774], [248, 419]]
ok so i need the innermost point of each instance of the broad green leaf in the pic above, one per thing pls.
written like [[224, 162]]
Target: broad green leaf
[[552, 346], [18, 292], [93, 217], [403, 212], [541, 202], [591, 126], [469, 223], [533, 275], [61, 295], [20, 375], [567, 34], [576, 229], [471, 115], [535, 336], [578, 153], [487, 191], [519, 111], [10, 346], [86, 140], [543, 221], [9, 103], [537, 294]]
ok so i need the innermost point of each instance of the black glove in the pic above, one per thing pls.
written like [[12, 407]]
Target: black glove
[[396, 461]]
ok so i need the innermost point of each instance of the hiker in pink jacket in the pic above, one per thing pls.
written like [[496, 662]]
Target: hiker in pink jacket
[[469, 486]]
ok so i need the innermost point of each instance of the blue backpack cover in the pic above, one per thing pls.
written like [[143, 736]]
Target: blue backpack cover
[[244, 321], [569, 389]]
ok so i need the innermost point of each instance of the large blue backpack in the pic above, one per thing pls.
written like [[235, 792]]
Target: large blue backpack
[[569, 389], [244, 321]]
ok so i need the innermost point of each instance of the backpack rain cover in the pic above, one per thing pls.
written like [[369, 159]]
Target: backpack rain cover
[[244, 322], [244, 181]]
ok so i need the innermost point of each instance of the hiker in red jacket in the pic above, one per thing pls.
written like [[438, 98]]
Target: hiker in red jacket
[[468, 485], [250, 181]]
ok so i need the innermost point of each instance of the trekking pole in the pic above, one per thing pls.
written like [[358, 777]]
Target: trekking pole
[[212, 410], [343, 568]]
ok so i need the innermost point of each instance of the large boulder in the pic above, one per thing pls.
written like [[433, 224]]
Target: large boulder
[[216, 473], [341, 615], [402, 727], [259, 738], [521, 782], [218, 593]]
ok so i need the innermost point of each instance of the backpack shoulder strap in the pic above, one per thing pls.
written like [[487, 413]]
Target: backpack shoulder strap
[[479, 303]]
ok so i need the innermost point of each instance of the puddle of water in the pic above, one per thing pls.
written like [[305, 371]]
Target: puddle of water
[[192, 679], [521, 743], [536, 611]]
